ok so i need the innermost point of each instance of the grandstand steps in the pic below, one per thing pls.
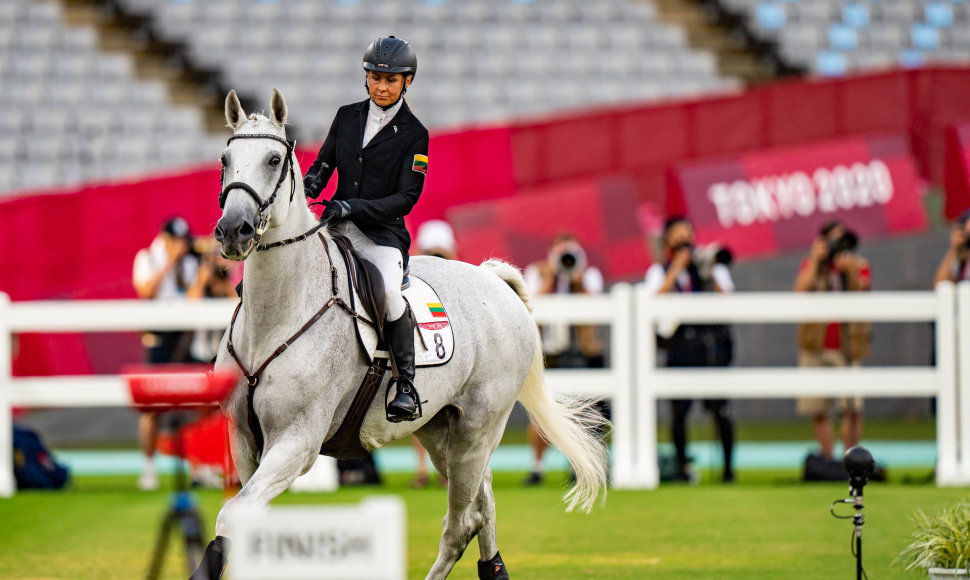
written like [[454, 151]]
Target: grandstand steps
[[153, 59], [734, 58]]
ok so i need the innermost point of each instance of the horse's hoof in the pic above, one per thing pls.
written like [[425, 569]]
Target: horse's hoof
[[213, 560], [494, 569]]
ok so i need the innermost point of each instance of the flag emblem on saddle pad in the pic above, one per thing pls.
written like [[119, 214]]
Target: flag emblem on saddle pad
[[420, 164], [437, 310]]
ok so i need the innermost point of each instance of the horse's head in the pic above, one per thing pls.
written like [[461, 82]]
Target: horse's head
[[256, 164]]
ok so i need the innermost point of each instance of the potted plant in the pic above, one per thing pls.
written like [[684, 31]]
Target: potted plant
[[941, 543]]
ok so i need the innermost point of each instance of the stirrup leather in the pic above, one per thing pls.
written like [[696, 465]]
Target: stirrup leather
[[407, 389]]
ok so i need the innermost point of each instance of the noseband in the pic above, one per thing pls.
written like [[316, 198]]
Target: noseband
[[261, 204]]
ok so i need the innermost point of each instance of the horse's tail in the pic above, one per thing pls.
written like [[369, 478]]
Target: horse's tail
[[511, 276], [568, 423]]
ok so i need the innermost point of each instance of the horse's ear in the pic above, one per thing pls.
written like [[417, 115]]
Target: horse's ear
[[278, 105], [234, 111]]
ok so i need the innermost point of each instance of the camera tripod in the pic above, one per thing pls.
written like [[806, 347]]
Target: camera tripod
[[182, 512], [859, 465]]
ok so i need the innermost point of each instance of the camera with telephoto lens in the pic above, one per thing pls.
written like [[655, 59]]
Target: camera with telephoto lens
[[210, 248], [706, 257], [205, 246], [847, 242], [568, 258]]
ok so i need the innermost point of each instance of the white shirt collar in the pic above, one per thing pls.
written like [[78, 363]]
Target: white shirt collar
[[376, 109], [378, 118]]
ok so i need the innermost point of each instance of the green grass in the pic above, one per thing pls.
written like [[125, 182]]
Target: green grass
[[762, 527]]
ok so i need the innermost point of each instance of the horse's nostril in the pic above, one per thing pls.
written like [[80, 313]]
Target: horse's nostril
[[246, 230], [219, 234]]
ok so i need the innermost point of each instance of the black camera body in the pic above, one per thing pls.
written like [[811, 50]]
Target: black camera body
[[847, 242]]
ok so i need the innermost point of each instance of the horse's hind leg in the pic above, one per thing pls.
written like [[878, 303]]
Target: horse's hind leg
[[490, 565], [471, 506]]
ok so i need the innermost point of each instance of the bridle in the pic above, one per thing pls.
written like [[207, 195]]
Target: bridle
[[261, 204]]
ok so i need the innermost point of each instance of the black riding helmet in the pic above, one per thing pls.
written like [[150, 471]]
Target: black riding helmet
[[391, 55]]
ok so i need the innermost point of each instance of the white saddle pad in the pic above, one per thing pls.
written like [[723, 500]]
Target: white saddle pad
[[436, 342]]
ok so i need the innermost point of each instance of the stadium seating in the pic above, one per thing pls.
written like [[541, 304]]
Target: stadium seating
[[480, 60], [834, 37], [73, 113]]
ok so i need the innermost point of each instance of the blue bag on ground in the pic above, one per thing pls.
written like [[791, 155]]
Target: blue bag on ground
[[33, 465]]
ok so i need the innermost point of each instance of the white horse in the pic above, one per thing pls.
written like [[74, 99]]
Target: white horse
[[304, 393]]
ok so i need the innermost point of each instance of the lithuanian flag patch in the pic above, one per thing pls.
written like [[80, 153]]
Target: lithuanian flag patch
[[420, 164], [437, 310]]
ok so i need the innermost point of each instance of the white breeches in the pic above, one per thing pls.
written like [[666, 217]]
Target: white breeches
[[387, 259]]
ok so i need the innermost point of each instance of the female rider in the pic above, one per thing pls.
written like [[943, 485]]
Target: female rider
[[380, 151]]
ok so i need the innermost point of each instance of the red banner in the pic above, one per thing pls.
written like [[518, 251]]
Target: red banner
[[956, 179], [776, 199], [521, 228]]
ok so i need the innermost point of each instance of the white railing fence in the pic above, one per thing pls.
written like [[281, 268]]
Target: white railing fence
[[632, 380]]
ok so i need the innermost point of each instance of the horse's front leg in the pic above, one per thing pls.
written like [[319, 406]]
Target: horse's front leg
[[288, 457]]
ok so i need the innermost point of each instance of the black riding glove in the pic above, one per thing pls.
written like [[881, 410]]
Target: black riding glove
[[312, 185], [336, 212]]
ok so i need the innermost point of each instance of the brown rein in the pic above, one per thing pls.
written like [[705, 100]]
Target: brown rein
[[335, 300]]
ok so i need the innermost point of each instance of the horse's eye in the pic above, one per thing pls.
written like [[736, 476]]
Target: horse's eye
[[222, 158], [275, 160]]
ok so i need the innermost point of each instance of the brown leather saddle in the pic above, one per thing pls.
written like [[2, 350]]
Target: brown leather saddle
[[366, 282]]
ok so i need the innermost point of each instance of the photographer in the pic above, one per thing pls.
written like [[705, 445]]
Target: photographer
[[214, 280], [688, 269], [565, 271], [166, 270], [953, 266], [833, 266]]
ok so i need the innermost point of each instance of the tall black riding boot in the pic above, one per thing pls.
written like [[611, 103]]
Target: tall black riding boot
[[406, 405]]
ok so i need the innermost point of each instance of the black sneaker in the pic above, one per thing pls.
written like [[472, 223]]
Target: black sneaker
[[534, 478]]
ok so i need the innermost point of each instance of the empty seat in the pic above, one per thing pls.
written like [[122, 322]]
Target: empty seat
[[938, 14], [855, 14], [76, 39], [42, 11], [924, 37], [883, 37], [769, 16], [113, 67], [40, 174], [843, 37], [831, 63], [911, 58], [42, 148]]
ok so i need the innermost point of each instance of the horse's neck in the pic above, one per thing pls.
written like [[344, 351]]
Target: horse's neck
[[299, 219], [280, 281]]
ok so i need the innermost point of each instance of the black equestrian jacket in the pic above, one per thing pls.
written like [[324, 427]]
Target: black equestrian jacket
[[382, 181]]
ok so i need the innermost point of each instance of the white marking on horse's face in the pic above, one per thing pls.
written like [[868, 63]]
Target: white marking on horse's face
[[257, 163]]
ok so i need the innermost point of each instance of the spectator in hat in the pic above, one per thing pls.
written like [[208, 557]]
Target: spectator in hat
[[833, 265], [565, 270], [166, 270]]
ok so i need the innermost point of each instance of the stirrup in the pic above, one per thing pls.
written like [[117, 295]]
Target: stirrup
[[410, 391]]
